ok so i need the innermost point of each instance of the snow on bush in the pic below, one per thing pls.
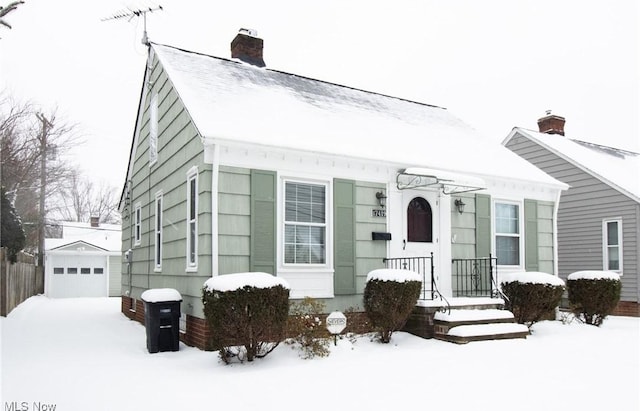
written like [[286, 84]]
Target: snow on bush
[[593, 295], [230, 282], [593, 275], [393, 274]]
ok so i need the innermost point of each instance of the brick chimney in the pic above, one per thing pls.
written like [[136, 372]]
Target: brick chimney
[[247, 46], [551, 124], [95, 221]]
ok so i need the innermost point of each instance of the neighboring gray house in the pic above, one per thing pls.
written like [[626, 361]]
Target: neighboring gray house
[[599, 216], [85, 262], [235, 167]]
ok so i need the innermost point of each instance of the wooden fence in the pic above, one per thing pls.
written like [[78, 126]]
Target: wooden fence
[[18, 281]]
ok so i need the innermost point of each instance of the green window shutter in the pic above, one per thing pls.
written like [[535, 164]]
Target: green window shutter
[[483, 225], [344, 229], [263, 221], [530, 235]]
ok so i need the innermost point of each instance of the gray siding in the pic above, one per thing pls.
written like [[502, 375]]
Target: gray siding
[[369, 253], [582, 210], [179, 149], [115, 275], [463, 228], [234, 215]]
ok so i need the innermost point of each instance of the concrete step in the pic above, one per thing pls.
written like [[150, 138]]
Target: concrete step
[[463, 334], [443, 322]]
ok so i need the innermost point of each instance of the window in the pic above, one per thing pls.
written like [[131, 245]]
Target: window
[[98, 270], [158, 232], [138, 224], [153, 129], [72, 270], [58, 270], [507, 233], [305, 223], [192, 219], [85, 270], [612, 245], [419, 221]]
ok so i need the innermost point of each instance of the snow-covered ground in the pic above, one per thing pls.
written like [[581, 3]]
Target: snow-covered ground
[[83, 354]]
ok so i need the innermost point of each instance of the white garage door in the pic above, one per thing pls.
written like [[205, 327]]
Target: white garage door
[[78, 276]]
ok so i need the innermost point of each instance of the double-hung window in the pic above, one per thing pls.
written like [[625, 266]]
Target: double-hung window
[[138, 224], [158, 233], [612, 245], [305, 227], [192, 219], [507, 233]]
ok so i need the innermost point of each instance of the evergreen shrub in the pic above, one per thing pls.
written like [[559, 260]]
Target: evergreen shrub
[[389, 298], [248, 322], [592, 300], [534, 300]]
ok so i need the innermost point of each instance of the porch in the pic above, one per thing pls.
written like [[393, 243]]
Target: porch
[[474, 312]]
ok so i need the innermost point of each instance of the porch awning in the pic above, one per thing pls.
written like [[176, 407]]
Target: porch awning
[[448, 181]]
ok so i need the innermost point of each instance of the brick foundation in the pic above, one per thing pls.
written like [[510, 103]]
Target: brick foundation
[[627, 308], [197, 333]]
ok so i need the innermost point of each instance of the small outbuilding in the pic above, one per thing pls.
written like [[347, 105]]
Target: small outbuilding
[[85, 262]]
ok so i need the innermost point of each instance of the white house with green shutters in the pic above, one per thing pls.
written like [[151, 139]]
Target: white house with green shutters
[[235, 167]]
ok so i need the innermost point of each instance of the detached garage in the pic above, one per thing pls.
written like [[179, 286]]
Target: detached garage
[[85, 262]]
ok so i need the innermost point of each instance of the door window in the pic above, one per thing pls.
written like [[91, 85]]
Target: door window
[[419, 221]]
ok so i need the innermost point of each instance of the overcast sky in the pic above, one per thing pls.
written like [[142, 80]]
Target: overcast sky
[[494, 64]]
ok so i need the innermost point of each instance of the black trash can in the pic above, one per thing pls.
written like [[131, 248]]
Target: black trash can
[[162, 319]]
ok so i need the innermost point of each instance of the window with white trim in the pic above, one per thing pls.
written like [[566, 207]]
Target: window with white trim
[[305, 228], [158, 233], [612, 245], [507, 229], [138, 224], [153, 129], [192, 219]]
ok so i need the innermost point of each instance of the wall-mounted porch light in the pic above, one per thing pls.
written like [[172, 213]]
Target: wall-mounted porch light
[[459, 205], [382, 199]]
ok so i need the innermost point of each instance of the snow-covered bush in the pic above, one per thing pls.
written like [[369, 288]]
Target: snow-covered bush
[[247, 314], [389, 298], [307, 330], [593, 295], [532, 296]]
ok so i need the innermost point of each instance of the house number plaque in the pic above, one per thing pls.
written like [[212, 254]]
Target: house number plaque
[[378, 213]]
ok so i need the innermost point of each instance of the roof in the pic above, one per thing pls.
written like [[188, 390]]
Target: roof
[[618, 168], [231, 102], [106, 236]]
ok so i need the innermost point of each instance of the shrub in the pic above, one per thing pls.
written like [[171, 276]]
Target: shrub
[[389, 298], [593, 295], [247, 314], [307, 329], [532, 296]]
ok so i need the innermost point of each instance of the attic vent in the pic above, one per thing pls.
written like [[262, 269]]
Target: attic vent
[[247, 46]]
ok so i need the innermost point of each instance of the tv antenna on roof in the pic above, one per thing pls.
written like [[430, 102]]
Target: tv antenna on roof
[[130, 14]]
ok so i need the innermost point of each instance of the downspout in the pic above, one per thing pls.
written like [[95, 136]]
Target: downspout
[[555, 233], [131, 235], [215, 170]]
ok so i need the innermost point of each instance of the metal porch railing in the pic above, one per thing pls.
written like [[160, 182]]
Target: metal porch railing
[[422, 266], [475, 277]]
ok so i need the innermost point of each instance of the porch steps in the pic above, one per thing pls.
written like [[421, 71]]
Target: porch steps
[[477, 322]]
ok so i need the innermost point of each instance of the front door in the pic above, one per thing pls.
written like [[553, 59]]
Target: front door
[[420, 223]]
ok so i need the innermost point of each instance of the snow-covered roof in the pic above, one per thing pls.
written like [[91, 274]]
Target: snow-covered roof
[[232, 102], [105, 236], [616, 167]]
